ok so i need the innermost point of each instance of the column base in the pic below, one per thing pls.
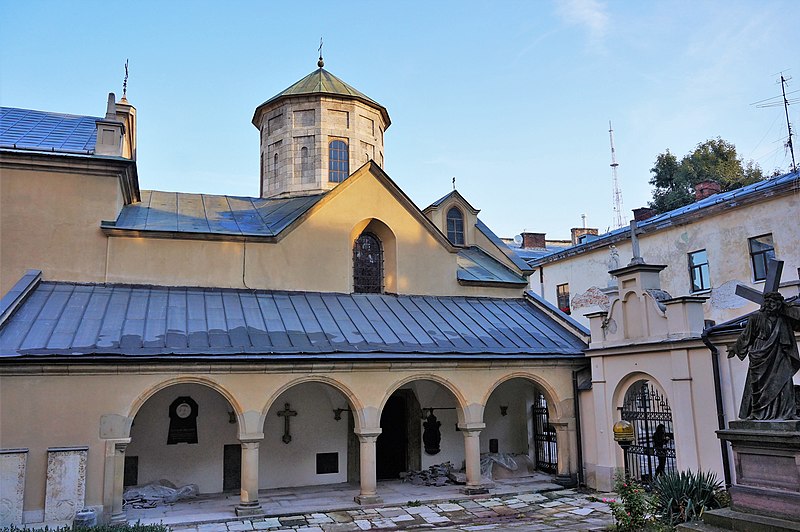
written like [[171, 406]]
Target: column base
[[474, 490], [567, 481], [368, 499], [249, 509]]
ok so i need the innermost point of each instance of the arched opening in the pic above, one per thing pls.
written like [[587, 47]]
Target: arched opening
[[338, 161], [368, 264], [455, 226], [309, 438], [185, 433], [419, 429], [519, 438], [653, 451], [306, 168]]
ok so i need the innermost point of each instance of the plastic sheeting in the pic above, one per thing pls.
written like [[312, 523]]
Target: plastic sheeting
[[156, 493]]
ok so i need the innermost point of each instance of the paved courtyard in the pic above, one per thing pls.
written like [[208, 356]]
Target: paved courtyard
[[549, 510]]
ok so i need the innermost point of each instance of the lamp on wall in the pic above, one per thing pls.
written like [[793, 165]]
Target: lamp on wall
[[337, 413], [503, 410]]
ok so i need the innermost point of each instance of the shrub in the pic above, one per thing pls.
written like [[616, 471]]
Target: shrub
[[633, 508], [99, 528], [683, 496]]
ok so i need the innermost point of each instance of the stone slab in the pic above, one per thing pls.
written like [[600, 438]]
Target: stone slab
[[65, 491], [12, 485]]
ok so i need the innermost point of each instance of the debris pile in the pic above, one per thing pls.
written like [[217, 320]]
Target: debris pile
[[156, 493], [435, 475]]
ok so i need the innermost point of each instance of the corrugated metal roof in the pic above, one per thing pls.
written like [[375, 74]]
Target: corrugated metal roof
[[323, 82], [41, 130], [181, 212], [666, 219], [74, 319], [477, 266]]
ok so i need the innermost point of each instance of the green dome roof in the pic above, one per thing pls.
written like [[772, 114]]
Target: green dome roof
[[324, 83]]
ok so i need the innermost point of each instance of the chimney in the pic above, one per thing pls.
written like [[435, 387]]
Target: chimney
[[704, 189], [578, 232], [533, 240], [126, 113], [110, 131], [643, 213]]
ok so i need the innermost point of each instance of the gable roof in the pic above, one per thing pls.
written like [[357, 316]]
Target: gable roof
[[518, 262], [209, 216], [45, 131], [67, 321], [687, 213], [454, 194], [322, 82]]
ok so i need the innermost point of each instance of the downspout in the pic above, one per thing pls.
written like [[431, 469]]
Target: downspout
[[578, 426], [726, 466]]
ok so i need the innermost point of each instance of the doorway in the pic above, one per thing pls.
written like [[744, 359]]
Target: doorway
[[398, 447]]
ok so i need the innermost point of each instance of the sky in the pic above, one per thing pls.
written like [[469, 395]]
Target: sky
[[513, 99]]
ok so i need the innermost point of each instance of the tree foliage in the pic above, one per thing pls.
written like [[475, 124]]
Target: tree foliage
[[712, 160]]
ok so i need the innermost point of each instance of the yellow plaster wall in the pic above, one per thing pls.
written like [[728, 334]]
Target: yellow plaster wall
[[51, 221]]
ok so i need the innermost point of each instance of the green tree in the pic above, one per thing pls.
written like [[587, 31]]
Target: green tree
[[712, 160]]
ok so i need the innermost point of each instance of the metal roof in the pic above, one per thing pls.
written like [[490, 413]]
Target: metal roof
[[206, 214], [69, 320], [488, 233], [534, 253], [323, 82], [477, 266], [45, 131], [664, 220]]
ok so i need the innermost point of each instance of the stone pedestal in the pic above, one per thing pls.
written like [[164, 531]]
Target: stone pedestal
[[767, 461], [12, 485]]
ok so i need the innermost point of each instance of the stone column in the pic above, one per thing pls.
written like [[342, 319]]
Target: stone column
[[248, 504], [118, 468], [565, 436], [369, 484], [472, 458]]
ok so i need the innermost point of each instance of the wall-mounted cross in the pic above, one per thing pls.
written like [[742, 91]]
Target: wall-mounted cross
[[773, 282], [286, 413]]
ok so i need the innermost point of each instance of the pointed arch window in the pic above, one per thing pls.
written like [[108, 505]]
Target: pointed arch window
[[455, 226], [368, 264], [338, 161], [275, 165]]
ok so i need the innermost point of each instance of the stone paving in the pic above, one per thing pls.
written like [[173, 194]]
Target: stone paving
[[553, 510]]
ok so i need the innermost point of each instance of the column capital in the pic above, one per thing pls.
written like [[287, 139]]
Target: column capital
[[252, 437], [471, 428], [366, 433]]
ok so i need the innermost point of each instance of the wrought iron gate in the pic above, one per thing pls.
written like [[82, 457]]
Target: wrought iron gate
[[544, 437], [653, 450]]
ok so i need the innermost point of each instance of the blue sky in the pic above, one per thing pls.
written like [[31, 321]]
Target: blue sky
[[511, 98]]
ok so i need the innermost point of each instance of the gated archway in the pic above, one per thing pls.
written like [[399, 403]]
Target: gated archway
[[653, 450], [544, 436]]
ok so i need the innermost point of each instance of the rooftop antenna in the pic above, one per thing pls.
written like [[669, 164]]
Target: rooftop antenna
[[125, 82], [320, 63], [618, 221], [788, 124]]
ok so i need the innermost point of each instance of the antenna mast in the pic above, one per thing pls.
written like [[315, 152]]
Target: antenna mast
[[618, 221], [788, 124]]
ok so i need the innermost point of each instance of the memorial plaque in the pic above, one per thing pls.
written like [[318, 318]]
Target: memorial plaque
[[12, 485], [65, 493]]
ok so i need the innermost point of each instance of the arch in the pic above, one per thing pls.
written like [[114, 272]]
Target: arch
[[189, 379], [549, 392], [338, 161], [452, 388], [618, 397], [352, 398], [455, 226], [388, 240]]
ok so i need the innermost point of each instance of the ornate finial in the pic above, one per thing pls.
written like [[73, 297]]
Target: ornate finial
[[454, 183], [125, 82], [320, 63]]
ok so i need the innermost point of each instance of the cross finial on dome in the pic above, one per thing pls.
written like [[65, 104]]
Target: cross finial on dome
[[320, 63]]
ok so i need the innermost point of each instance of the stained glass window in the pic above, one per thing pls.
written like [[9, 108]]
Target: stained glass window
[[367, 265]]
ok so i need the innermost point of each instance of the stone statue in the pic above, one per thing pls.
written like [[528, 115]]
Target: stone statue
[[769, 341]]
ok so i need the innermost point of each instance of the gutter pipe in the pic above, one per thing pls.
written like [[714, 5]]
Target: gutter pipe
[[726, 466], [577, 407]]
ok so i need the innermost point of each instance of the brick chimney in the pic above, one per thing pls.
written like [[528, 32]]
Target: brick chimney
[[578, 232], [533, 240], [704, 189], [643, 213]]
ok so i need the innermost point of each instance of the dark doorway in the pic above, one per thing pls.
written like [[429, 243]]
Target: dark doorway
[[232, 467], [392, 445], [131, 472]]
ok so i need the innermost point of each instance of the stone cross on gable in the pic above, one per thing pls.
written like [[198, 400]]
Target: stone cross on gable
[[774, 270], [286, 413]]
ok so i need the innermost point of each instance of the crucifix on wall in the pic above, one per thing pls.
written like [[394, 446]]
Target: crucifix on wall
[[286, 413]]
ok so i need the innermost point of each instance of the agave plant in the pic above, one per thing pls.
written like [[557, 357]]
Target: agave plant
[[683, 496]]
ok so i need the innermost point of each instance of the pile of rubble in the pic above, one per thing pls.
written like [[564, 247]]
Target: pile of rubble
[[435, 475]]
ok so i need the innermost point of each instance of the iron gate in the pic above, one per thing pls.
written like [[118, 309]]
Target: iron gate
[[544, 437], [653, 449]]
